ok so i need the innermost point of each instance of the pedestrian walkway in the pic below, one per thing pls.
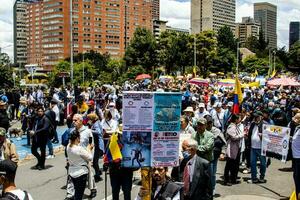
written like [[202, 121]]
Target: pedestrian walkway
[[23, 149]]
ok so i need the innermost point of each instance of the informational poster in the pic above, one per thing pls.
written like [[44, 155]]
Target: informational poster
[[275, 139], [165, 146], [167, 111], [137, 149], [151, 126], [138, 111]]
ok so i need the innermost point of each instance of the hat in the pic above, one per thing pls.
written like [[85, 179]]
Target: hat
[[23, 100], [230, 103], [7, 167], [296, 118], [208, 118], [201, 105], [54, 101], [91, 102], [112, 104], [2, 131], [258, 113], [219, 105], [2, 103], [201, 120], [189, 109]]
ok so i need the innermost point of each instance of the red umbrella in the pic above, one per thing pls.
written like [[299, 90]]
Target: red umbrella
[[283, 82], [142, 76], [199, 81]]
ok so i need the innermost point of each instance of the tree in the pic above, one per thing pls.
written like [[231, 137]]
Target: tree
[[294, 56], [54, 79], [206, 45], [252, 43], [142, 50], [283, 56], [253, 63], [226, 38], [6, 77], [224, 61], [262, 45], [86, 68]]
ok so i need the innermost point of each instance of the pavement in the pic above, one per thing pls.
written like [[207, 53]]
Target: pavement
[[49, 184]]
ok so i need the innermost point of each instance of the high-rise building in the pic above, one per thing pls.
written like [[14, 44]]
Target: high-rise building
[[20, 31], [212, 15], [248, 27], [104, 26], [155, 9], [294, 33], [266, 14]]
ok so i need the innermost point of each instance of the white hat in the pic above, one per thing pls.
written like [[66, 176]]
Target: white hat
[[201, 105], [230, 103], [219, 105], [112, 104], [189, 109]]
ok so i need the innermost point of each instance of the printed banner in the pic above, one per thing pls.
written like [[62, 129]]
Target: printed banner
[[137, 111], [275, 139], [165, 149], [167, 109], [137, 149]]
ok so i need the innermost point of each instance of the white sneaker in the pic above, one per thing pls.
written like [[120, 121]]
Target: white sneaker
[[50, 156]]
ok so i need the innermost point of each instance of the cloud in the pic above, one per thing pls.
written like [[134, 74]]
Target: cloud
[[6, 27]]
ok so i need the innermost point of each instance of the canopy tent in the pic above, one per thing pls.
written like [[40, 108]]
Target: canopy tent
[[199, 81], [142, 77], [283, 82]]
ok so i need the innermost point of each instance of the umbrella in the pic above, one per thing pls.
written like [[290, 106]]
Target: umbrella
[[199, 81], [165, 78], [283, 82], [142, 77], [226, 82]]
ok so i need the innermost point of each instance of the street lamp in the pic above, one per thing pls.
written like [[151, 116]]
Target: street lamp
[[71, 42]]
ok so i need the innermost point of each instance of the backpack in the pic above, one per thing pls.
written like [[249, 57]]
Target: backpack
[[12, 196], [66, 136]]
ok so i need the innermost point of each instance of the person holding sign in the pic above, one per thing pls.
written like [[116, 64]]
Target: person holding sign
[[162, 187], [296, 154]]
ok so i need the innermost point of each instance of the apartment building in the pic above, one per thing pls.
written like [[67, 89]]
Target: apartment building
[[248, 27]]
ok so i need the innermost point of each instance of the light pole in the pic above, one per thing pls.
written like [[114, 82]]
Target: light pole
[[71, 42], [274, 63], [237, 57], [83, 69]]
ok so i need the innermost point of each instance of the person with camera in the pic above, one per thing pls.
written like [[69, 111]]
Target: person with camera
[[78, 158]]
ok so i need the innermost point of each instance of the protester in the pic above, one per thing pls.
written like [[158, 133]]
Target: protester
[[8, 171], [233, 150], [7, 148], [78, 158], [4, 120], [296, 154], [162, 187]]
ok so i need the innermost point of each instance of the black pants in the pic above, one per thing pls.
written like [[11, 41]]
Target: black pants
[[97, 154], [79, 186], [39, 142], [55, 132], [232, 169], [121, 178], [296, 174]]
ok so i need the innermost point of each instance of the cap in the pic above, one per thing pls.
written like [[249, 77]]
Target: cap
[[189, 109], [54, 101], [91, 102], [201, 105], [201, 121], [2, 131], [7, 167], [112, 104], [230, 103]]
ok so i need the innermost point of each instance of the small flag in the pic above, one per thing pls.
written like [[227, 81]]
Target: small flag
[[255, 73], [194, 71], [238, 96], [113, 152], [273, 73]]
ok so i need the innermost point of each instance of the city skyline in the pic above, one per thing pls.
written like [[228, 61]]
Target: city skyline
[[288, 10]]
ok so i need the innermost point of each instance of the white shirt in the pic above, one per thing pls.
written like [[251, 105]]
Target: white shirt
[[255, 138], [85, 134], [111, 125], [296, 143], [218, 118], [21, 194], [198, 114], [56, 110], [78, 159]]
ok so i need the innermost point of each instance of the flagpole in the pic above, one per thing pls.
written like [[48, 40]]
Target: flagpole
[[237, 58]]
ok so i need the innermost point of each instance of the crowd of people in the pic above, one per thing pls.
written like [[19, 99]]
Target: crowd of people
[[210, 132]]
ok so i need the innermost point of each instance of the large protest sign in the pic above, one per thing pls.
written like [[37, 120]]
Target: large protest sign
[[275, 140], [151, 125]]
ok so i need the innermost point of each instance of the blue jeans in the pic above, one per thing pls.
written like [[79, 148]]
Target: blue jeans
[[256, 153], [50, 146], [213, 164]]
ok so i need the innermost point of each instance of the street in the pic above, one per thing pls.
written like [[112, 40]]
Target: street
[[49, 184]]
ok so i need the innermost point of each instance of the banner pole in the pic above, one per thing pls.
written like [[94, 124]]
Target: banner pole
[[147, 181]]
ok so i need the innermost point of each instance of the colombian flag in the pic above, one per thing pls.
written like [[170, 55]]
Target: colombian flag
[[113, 152], [238, 96]]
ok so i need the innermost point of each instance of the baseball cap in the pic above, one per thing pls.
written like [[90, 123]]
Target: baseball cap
[[201, 105], [201, 120], [230, 103], [7, 167]]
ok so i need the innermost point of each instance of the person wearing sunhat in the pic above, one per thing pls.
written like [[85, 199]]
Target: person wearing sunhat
[[8, 171], [7, 148], [296, 153]]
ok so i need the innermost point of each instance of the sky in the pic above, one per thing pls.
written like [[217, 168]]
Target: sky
[[177, 13]]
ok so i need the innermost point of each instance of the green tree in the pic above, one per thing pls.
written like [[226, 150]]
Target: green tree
[[224, 61], [253, 63], [252, 43], [86, 68], [294, 56], [6, 77], [262, 50], [283, 57], [54, 79], [142, 50], [206, 45], [226, 38]]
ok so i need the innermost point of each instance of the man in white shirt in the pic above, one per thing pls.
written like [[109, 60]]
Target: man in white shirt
[[217, 115], [296, 154], [201, 112]]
